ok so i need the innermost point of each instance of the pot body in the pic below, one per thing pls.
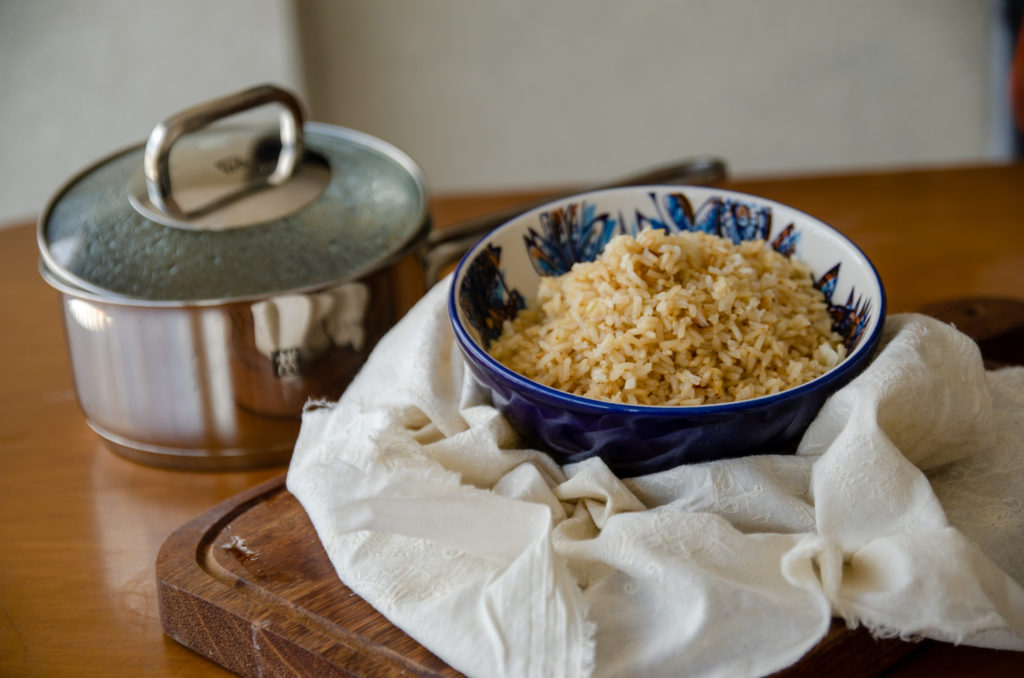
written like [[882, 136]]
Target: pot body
[[222, 386], [206, 299]]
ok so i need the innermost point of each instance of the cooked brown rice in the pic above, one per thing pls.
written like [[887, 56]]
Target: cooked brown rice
[[675, 319]]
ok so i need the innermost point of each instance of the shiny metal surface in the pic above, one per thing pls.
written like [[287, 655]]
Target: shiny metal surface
[[223, 386], [443, 248], [301, 234], [223, 184], [156, 160], [231, 185], [195, 343]]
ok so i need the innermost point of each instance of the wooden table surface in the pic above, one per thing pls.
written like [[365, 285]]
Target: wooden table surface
[[80, 527]]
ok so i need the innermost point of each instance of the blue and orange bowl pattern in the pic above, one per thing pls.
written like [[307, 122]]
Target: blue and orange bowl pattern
[[501, 273]]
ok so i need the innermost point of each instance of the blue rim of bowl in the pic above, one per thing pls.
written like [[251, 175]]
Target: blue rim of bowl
[[860, 354]]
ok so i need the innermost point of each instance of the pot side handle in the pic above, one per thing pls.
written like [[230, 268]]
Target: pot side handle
[[444, 247]]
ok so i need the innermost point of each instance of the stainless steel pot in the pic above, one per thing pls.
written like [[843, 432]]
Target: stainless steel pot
[[210, 292], [217, 278]]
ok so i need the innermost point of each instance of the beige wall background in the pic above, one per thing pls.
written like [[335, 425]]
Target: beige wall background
[[517, 94], [80, 80]]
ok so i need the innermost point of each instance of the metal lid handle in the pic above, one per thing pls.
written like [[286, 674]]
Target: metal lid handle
[[156, 161]]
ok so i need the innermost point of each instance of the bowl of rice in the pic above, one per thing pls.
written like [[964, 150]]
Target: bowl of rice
[[654, 326]]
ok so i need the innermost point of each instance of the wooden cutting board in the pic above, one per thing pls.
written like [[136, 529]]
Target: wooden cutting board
[[248, 584]]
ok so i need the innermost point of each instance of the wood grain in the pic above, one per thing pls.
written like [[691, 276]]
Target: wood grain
[[81, 527], [271, 603]]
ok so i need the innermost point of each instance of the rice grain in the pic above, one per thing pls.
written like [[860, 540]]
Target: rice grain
[[675, 319]]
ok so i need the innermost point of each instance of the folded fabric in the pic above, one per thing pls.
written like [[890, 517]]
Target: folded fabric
[[901, 511]]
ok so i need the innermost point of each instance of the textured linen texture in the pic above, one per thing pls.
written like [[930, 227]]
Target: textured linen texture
[[902, 511]]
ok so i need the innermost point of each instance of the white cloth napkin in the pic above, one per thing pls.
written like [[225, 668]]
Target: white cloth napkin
[[903, 511]]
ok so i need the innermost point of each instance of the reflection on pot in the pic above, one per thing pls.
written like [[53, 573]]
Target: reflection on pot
[[203, 312], [220, 386], [155, 383], [293, 347], [295, 329]]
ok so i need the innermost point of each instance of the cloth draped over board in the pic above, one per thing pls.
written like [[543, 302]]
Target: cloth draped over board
[[902, 511]]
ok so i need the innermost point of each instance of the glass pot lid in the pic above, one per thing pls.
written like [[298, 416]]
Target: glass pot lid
[[210, 212]]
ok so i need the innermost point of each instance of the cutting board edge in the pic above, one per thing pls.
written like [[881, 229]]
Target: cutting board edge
[[236, 631]]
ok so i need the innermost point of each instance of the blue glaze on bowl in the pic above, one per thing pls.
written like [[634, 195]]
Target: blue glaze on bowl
[[497, 276]]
